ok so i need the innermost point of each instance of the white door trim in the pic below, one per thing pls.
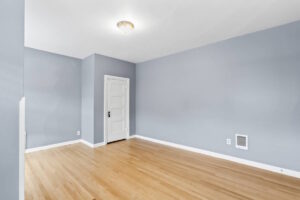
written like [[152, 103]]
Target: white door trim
[[106, 78], [22, 144]]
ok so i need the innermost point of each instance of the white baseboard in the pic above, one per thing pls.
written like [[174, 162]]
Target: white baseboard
[[99, 144], [51, 146], [131, 136], [64, 144], [275, 169], [92, 145], [87, 143]]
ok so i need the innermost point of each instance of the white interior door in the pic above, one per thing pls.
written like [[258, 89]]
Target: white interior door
[[117, 108]]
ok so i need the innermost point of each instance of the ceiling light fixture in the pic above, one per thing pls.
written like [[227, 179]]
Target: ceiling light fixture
[[125, 26]]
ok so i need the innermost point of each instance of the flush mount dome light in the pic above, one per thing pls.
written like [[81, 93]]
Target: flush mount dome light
[[125, 26]]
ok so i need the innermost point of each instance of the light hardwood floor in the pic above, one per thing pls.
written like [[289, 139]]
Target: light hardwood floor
[[141, 170]]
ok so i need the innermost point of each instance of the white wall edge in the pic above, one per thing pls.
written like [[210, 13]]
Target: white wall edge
[[22, 144], [51, 146], [271, 168]]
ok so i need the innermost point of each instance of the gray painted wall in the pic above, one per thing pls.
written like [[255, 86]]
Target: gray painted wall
[[93, 70], [110, 66], [52, 86], [87, 98], [11, 87], [248, 85]]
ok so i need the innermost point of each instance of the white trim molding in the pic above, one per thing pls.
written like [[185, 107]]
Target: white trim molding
[[100, 144], [64, 144], [92, 145], [131, 136], [52, 146], [87, 143], [22, 145], [271, 168]]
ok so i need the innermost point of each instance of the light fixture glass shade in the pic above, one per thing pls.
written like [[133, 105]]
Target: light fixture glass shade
[[125, 26]]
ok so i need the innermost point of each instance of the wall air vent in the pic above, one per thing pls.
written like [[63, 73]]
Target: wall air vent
[[241, 141]]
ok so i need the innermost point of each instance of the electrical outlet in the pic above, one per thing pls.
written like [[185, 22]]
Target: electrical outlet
[[78, 133], [228, 141]]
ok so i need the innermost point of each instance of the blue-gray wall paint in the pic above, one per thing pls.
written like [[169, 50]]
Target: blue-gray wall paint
[[110, 66], [87, 98], [52, 86], [94, 68], [11, 87], [248, 85]]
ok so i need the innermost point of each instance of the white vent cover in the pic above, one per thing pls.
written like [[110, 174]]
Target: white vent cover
[[241, 141]]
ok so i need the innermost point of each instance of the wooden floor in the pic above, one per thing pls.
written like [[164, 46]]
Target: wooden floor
[[141, 170]]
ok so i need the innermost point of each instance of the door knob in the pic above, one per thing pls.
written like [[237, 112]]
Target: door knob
[[108, 113]]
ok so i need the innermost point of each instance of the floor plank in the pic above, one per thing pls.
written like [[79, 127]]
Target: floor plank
[[137, 169]]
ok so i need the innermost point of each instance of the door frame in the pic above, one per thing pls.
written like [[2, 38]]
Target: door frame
[[106, 78]]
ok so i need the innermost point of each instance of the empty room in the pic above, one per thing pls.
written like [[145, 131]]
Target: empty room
[[150, 99]]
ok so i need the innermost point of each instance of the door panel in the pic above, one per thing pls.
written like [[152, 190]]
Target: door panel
[[117, 109]]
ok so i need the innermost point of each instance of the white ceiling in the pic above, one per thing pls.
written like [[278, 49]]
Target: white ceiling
[[79, 28]]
